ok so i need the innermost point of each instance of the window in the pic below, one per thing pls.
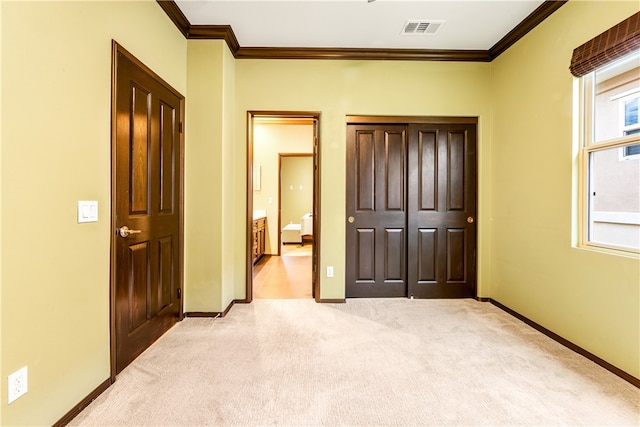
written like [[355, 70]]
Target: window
[[630, 124], [610, 156], [630, 116], [632, 150]]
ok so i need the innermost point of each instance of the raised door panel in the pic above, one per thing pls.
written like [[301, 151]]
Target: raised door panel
[[455, 178], [427, 170], [166, 267], [138, 295], [168, 145], [140, 123], [365, 253], [365, 170], [456, 255], [394, 266], [426, 255], [394, 171]]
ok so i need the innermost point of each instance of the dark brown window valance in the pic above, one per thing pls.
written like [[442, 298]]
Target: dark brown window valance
[[614, 43]]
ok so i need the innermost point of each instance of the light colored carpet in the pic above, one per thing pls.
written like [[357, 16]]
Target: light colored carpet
[[394, 362]]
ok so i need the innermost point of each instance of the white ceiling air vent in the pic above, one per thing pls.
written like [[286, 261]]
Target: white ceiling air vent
[[421, 27]]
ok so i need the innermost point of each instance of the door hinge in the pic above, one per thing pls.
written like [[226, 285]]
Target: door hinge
[[180, 127], [179, 293]]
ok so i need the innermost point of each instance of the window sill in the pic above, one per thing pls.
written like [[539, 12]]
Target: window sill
[[630, 253]]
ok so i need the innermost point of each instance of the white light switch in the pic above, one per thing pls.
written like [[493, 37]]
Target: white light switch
[[87, 211]]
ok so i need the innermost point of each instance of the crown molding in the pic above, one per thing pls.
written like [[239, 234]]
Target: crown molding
[[225, 32], [175, 14], [529, 23], [216, 32], [362, 54]]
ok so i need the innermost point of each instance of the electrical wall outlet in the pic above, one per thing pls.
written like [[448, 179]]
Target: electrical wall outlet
[[17, 384], [329, 271]]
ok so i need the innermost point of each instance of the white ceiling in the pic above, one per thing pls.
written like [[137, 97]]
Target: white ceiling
[[469, 25]]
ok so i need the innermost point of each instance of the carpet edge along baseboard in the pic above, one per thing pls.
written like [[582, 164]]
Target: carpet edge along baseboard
[[565, 342]]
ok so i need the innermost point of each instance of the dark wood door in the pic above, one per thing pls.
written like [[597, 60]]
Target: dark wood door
[[147, 199], [376, 211], [442, 211], [411, 208]]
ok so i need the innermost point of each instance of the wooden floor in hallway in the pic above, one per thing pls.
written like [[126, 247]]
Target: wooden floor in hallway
[[284, 277]]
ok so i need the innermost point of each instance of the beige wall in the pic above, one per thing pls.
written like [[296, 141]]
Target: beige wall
[[297, 189], [2, 389], [210, 243], [56, 101], [589, 298], [204, 172], [268, 141], [232, 267], [339, 88]]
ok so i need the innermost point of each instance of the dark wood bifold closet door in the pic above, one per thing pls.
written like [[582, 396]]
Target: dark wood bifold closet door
[[442, 211], [147, 194], [376, 211], [411, 208]]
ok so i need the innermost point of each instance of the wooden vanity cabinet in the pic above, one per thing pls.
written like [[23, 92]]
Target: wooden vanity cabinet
[[259, 234]]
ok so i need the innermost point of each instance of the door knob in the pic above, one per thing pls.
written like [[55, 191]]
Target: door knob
[[351, 219], [124, 231], [470, 220]]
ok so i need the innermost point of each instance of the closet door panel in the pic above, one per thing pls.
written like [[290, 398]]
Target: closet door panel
[[441, 210], [376, 211]]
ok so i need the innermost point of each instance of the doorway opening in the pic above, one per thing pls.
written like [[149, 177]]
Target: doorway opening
[[283, 225]]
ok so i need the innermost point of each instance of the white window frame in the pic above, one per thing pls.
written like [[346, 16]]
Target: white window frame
[[588, 145]]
